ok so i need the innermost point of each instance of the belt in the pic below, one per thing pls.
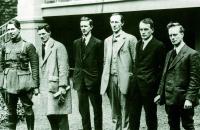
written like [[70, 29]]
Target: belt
[[13, 64]]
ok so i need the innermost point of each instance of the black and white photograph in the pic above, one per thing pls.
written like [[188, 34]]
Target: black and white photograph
[[99, 64]]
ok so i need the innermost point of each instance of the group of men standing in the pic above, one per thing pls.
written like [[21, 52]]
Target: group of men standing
[[134, 74]]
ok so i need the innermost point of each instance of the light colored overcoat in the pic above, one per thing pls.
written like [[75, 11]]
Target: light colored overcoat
[[54, 73], [125, 61]]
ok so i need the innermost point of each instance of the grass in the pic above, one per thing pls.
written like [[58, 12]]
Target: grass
[[41, 123]]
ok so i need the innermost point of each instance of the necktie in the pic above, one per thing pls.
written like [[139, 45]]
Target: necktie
[[114, 39], [141, 45], [173, 55], [43, 51], [83, 46], [83, 41]]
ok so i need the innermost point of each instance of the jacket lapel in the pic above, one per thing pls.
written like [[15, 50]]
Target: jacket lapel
[[79, 48], [121, 41], [109, 50], [140, 52], [148, 47], [138, 46], [167, 62], [48, 51], [178, 57], [89, 47]]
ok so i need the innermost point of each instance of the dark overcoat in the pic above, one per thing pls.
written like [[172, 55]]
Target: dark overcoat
[[181, 78]]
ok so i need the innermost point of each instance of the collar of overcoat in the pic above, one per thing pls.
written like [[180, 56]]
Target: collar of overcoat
[[120, 42], [48, 50], [178, 57]]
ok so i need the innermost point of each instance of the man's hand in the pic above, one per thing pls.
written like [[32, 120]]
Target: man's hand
[[62, 90], [36, 91], [157, 99], [187, 104]]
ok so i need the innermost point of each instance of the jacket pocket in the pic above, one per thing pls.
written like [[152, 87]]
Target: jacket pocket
[[7, 51], [53, 84], [124, 51], [25, 81]]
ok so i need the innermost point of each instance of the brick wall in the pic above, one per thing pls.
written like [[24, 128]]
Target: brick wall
[[8, 10]]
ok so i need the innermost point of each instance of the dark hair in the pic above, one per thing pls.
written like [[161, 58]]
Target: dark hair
[[84, 18], [122, 17], [175, 24], [16, 23], [46, 27], [148, 21]]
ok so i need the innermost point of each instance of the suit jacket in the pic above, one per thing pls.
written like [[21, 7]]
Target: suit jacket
[[148, 67], [54, 73], [181, 78], [125, 61], [88, 65]]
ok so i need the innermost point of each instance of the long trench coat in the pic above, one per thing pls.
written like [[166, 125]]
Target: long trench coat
[[54, 71]]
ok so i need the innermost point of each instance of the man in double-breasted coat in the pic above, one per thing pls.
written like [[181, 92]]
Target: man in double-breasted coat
[[180, 81], [54, 80], [119, 56], [88, 56]]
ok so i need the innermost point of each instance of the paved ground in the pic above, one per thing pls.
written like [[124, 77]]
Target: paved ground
[[75, 121]]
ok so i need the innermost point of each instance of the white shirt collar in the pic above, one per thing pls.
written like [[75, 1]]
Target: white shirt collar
[[118, 34], [178, 49], [147, 41], [87, 38], [47, 43]]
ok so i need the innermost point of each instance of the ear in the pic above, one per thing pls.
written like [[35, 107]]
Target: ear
[[152, 30], [122, 24], [182, 34]]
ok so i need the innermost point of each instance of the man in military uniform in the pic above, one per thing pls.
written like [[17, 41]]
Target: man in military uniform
[[21, 75]]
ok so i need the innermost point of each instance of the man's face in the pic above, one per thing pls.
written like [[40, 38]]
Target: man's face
[[145, 30], [85, 27], [116, 23], [44, 35], [13, 31], [175, 35]]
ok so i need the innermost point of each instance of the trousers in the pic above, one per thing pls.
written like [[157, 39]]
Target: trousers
[[25, 98], [58, 122], [139, 100], [84, 95], [176, 114], [119, 105]]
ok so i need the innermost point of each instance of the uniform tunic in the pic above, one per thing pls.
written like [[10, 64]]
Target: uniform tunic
[[21, 67]]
